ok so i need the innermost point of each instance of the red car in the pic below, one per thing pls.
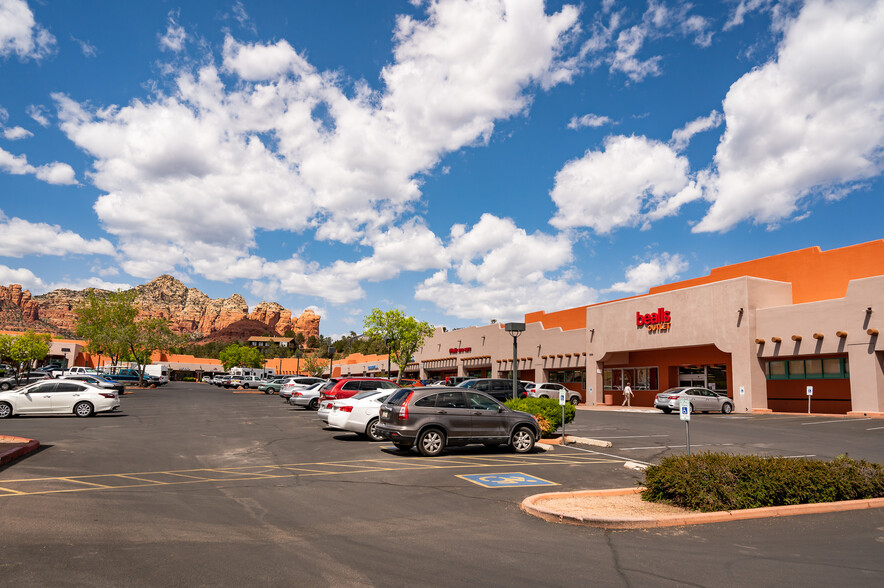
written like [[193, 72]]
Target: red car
[[339, 388]]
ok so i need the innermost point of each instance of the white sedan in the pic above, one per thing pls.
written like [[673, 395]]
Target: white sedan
[[58, 397], [548, 390], [307, 397], [359, 413]]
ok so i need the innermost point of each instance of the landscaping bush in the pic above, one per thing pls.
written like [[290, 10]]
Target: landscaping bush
[[719, 481], [547, 411]]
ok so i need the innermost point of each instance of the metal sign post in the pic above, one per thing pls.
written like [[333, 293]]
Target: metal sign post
[[684, 407], [809, 395], [562, 401]]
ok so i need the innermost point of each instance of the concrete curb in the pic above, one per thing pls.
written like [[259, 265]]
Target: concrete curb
[[19, 446], [581, 440], [531, 506]]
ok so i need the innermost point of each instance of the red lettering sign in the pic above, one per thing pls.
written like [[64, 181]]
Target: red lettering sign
[[454, 350], [661, 317]]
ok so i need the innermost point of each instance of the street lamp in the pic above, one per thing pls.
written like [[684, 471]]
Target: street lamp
[[298, 357], [515, 329], [331, 363]]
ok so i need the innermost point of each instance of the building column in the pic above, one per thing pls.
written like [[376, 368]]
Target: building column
[[866, 380], [747, 371]]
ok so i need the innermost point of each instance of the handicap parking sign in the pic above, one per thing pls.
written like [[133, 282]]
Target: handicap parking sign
[[507, 480]]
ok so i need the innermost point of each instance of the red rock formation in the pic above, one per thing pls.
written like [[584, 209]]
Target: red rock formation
[[187, 309]]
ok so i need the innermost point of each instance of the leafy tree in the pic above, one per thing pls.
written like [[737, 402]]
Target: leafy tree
[[105, 320], [312, 342], [145, 337], [300, 339], [237, 355], [403, 334], [24, 349], [289, 333], [314, 366]]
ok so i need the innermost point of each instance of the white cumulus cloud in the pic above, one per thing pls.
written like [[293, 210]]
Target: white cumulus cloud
[[20, 34], [632, 182], [51, 173], [809, 124], [588, 120], [21, 237], [642, 277]]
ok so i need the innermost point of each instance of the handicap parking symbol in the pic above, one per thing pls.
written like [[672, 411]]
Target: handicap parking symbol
[[507, 480]]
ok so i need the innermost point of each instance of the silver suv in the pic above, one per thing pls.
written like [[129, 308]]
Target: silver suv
[[436, 417]]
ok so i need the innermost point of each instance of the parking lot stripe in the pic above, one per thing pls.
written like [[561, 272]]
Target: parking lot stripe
[[875, 429], [839, 421], [9, 491], [81, 481]]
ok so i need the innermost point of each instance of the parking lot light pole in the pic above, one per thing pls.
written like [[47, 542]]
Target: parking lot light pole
[[515, 329], [331, 362], [388, 341], [298, 366]]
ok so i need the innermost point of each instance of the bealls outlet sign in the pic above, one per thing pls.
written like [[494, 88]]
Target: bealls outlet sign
[[655, 321]]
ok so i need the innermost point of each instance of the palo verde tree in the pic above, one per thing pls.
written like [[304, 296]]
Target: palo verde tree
[[243, 356], [403, 334]]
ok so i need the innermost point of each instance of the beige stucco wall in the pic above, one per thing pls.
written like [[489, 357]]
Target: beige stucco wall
[[702, 315]]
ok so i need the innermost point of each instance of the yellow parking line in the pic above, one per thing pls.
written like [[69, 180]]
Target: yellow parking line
[[11, 491], [77, 481]]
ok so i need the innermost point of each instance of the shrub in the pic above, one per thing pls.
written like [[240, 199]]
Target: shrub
[[720, 481], [547, 411]]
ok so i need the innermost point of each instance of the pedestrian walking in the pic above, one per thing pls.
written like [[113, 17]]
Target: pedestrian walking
[[627, 396]]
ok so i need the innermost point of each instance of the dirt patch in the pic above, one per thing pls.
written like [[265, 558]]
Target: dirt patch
[[626, 506]]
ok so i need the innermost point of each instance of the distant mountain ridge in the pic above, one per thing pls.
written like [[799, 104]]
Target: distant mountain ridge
[[188, 310]]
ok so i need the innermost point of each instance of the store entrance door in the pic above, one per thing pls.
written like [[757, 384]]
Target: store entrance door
[[697, 380]]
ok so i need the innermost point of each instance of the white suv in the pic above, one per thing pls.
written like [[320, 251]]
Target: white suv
[[547, 390]]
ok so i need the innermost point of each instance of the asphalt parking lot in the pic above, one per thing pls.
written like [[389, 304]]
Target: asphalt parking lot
[[194, 485]]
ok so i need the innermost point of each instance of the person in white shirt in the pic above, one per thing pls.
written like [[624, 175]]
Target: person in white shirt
[[627, 396]]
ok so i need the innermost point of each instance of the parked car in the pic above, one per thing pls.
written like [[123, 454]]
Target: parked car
[[58, 397], [549, 390], [498, 388], [244, 381], [701, 399], [220, 379], [409, 383], [207, 379], [437, 417], [340, 388], [24, 379], [130, 377], [98, 382], [455, 380], [273, 386], [299, 383], [359, 413], [307, 397]]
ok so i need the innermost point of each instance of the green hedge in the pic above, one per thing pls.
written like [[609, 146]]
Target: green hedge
[[548, 411], [719, 481]]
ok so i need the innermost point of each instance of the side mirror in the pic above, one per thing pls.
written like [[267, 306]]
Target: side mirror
[[499, 409]]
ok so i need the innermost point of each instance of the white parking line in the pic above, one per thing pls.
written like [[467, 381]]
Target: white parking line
[[841, 421], [875, 429], [676, 446]]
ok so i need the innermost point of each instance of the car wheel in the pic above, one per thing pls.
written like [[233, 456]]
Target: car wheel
[[5, 386], [5, 410], [431, 442], [314, 404], [522, 440], [402, 446], [575, 400], [83, 409], [543, 396], [666, 410], [692, 408], [372, 430], [727, 408]]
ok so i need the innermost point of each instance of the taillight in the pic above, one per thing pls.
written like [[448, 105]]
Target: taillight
[[672, 398], [346, 409], [108, 394], [403, 410], [297, 393]]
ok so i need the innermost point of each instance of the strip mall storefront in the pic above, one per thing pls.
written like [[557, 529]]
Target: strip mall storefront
[[765, 332]]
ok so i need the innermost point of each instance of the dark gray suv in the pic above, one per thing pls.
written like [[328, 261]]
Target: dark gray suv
[[436, 417]]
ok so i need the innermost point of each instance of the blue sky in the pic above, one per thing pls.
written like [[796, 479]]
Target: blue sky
[[463, 160]]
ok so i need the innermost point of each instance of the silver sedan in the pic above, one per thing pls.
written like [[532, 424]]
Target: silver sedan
[[701, 399]]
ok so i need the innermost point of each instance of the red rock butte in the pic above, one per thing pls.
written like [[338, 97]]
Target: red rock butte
[[188, 310]]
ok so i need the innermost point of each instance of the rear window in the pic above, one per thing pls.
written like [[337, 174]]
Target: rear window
[[399, 397]]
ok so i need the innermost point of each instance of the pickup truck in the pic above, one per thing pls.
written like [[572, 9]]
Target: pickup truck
[[130, 377]]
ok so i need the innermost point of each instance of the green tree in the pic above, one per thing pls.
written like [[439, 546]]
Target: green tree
[[300, 339], [314, 366], [312, 342], [26, 348], [237, 355], [105, 321], [146, 336], [403, 334]]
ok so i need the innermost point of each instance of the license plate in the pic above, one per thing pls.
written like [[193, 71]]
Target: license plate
[[385, 412]]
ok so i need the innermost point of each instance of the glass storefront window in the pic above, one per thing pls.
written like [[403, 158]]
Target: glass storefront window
[[813, 368], [645, 378], [808, 369], [566, 377], [831, 368], [796, 369], [776, 370]]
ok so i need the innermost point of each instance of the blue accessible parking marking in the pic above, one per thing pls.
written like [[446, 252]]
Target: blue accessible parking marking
[[508, 480]]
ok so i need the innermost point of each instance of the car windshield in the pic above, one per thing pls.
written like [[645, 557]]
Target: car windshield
[[466, 384], [367, 394]]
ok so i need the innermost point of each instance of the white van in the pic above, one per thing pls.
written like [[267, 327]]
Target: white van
[[159, 370]]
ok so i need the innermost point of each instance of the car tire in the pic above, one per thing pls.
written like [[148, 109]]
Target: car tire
[[522, 440], [402, 446], [372, 432], [692, 408], [727, 408], [5, 410], [666, 410], [83, 409], [314, 404], [575, 400], [543, 396], [5, 386], [431, 442]]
